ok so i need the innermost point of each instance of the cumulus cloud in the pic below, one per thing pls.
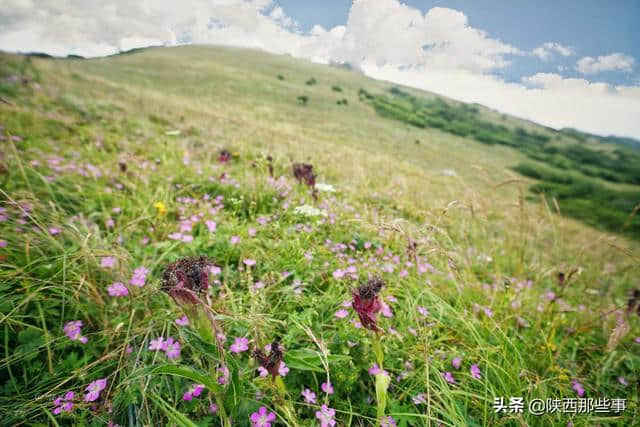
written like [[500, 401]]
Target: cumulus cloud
[[546, 51], [612, 62], [438, 50]]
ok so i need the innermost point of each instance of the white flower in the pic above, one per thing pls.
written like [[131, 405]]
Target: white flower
[[325, 188], [308, 210]]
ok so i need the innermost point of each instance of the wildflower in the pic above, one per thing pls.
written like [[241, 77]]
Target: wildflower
[[327, 387], [623, 381], [375, 370], [184, 279], [249, 262], [64, 403], [448, 376], [107, 262], [341, 314], [156, 344], [3, 243], [325, 188], [211, 225], [224, 156], [456, 362], [308, 210], [309, 396], [73, 330], [118, 289], [139, 277], [475, 372], [367, 303], [419, 399], [161, 208], [183, 321], [388, 422], [54, 231], [272, 363], [234, 240], [262, 418], [239, 345], [224, 378], [194, 391], [213, 408], [94, 390], [325, 415], [577, 387], [171, 348], [304, 172], [423, 311]]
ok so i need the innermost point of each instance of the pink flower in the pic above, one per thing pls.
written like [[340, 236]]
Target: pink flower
[[194, 391], [375, 370], [213, 408], [117, 289], [156, 344], [338, 274], [211, 225], [3, 243], [623, 381], [64, 403], [54, 231], [475, 372], [249, 262], [94, 390], [107, 262], [385, 309], [234, 240], [73, 330], [423, 311], [326, 415], [252, 232], [183, 321], [419, 399], [262, 418], [139, 277], [224, 378], [171, 348], [577, 387], [309, 396], [239, 345], [448, 377], [283, 370], [341, 314], [327, 387], [456, 362]]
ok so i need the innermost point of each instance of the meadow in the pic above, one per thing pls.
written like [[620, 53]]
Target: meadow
[[163, 262]]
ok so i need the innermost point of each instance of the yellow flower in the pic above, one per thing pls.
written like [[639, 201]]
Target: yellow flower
[[162, 209]]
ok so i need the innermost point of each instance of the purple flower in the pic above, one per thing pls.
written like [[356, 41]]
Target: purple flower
[[94, 389], [194, 391], [375, 370], [367, 303], [309, 396], [262, 418], [623, 381], [224, 378], [139, 277], [118, 289], [234, 240], [388, 422], [448, 376], [171, 348], [211, 225], [239, 345], [327, 387], [183, 321], [73, 330], [156, 344], [423, 311], [213, 408], [419, 399], [272, 363], [64, 403], [456, 362], [249, 262], [341, 314], [3, 243], [54, 231], [107, 262], [326, 415], [577, 387], [475, 372]]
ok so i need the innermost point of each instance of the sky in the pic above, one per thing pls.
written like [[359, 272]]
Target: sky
[[558, 63]]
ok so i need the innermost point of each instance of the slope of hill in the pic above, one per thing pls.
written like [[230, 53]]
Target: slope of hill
[[112, 168]]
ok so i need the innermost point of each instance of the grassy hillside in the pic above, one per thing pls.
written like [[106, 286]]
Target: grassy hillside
[[111, 170]]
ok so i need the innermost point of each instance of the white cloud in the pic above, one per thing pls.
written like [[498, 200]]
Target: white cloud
[[437, 51], [614, 61], [545, 51]]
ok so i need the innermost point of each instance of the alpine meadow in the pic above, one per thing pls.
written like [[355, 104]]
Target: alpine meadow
[[204, 235]]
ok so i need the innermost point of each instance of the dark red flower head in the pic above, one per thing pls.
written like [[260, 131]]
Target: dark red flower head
[[186, 278], [271, 362], [303, 172], [367, 303], [224, 156]]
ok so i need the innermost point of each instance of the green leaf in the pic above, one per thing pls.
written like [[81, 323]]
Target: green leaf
[[186, 372], [172, 413], [309, 360]]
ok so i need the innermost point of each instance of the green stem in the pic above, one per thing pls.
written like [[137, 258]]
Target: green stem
[[382, 380]]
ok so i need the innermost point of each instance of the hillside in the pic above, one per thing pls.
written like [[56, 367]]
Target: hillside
[[508, 245]]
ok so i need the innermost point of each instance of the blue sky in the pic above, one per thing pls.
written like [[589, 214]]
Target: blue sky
[[559, 63], [591, 27]]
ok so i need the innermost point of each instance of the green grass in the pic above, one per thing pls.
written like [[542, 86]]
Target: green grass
[[129, 131]]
